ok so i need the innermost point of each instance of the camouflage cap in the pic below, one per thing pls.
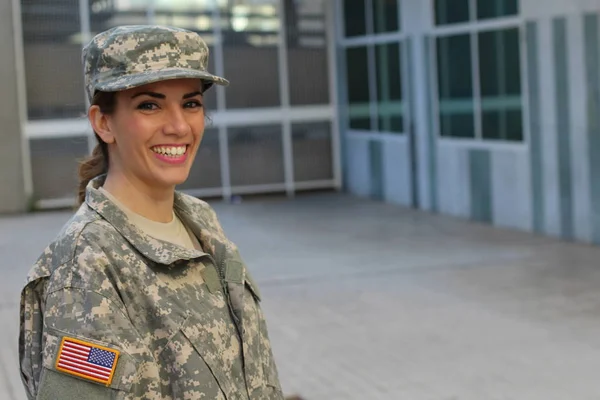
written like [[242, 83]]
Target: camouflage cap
[[129, 56]]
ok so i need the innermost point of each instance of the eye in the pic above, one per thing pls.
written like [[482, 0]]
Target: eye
[[193, 104], [147, 106]]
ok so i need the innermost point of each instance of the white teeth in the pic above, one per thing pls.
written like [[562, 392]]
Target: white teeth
[[170, 151]]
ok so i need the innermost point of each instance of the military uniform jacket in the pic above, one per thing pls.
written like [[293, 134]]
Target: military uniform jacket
[[134, 300]]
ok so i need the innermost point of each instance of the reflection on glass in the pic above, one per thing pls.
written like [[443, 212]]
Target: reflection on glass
[[385, 13], [357, 73], [250, 51], [355, 23], [168, 4], [500, 78], [256, 155], [307, 51], [456, 106], [52, 52], [312, 151], [106, 14], [389, 88], [496, 8], [451, 11]]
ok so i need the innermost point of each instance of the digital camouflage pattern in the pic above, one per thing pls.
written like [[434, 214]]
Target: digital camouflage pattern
[[104, 281], [129, 56]]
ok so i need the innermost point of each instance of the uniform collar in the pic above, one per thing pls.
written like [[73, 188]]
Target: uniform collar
[[156, 250]]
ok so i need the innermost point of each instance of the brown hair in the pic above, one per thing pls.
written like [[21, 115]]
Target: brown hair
[[97, 163]]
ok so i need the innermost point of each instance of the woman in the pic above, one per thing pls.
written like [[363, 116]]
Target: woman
[[141, 295]]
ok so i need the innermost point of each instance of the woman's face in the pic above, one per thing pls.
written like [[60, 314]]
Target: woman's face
[[155, 132]]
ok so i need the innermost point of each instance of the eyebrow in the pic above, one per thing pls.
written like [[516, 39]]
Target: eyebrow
[[194, 94], [162, 96], [151, 94]]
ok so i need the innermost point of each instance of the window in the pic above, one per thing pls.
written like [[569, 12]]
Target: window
[[250, 51], [354, 18], [384, 14], [307, 52], [357, 62], [457, 11], [313, 157], [451, 11], [54, 165], [500, 78], [52, 51], [496, 8], [456, 105], [479, 73], [255, 155], [389, 87], [374, 70]]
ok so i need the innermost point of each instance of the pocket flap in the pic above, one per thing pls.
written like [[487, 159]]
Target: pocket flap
[[253, 286], [236, 272]]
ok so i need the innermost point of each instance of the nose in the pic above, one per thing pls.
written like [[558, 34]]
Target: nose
[[176, 122]]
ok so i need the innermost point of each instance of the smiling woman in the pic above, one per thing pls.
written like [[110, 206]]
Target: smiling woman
[[152, 136], [141, 295]]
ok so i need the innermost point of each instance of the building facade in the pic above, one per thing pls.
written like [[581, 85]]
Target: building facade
[[480, 109]]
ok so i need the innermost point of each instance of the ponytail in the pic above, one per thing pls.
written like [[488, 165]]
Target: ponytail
[[97, 163], [89, 168]]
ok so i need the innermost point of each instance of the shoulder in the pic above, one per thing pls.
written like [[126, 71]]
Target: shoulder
[[81, 239], [199, 209], [194, 204], [200, 213]]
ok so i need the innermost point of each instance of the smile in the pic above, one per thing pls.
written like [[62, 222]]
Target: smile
[[170, 151]]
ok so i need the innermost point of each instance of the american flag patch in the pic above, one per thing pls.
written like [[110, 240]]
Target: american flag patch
[[87, 360]]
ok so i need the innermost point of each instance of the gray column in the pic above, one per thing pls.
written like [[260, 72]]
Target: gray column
[[13, 196]]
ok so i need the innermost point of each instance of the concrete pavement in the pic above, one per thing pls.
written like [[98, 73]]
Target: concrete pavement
[[372, 301]]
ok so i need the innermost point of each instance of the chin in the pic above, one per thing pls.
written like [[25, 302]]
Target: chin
[[173, 179]]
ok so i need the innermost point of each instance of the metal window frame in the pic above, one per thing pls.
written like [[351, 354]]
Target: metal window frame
[[473, 28], [370, 41], [19, 59]]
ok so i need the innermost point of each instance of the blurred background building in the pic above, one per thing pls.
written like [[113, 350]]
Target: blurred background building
[[482, 109]]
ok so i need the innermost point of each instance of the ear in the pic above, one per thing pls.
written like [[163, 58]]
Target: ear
[[101, 124]]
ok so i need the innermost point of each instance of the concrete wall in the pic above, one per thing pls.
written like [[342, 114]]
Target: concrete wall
[[379, 167], [12, 175], [564, 82], [486, 185]]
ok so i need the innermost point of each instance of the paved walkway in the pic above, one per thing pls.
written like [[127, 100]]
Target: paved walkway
[[370, 301]]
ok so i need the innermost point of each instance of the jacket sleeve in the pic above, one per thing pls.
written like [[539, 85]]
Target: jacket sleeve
[[93, 320], [30, 335]]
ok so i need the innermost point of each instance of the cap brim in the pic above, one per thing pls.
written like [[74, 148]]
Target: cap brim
[[144, 78]]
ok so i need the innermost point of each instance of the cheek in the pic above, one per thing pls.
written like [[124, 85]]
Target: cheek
[[135, 132], [198, 128]]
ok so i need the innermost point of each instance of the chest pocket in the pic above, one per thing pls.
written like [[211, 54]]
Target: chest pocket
[[245, 297]]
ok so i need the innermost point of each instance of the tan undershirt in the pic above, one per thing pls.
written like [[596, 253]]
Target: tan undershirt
[[173, 232]]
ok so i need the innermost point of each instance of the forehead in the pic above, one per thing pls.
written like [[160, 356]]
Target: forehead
[[168, 87]]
